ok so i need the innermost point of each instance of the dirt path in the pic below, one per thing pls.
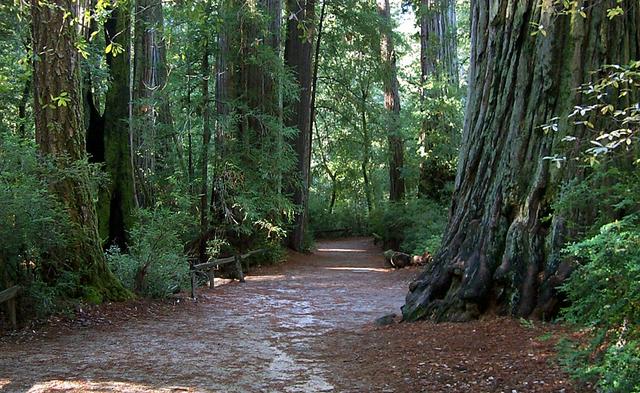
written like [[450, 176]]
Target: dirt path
[[304, 326]]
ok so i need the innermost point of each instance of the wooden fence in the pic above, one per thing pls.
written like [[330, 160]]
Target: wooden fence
[[9, 296], [208, 269]]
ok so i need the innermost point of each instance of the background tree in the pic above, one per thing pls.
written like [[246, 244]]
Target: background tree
[[439, 78], [153, 135], [392, 104]]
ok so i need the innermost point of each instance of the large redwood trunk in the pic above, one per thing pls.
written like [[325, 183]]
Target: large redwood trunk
[[298, 56], [117, 201], [391, 104], [61, 136], [500, 249]]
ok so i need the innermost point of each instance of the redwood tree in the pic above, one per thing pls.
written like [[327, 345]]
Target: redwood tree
[[117, 200], [391, 104], [152, 131], [500, 250], [298, 56], [61, 135]]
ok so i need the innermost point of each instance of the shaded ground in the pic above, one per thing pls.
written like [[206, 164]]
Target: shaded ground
[[304, 326]]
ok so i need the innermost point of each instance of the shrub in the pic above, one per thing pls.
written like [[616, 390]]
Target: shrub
[[346, 219], [33, 228], [155, 264], [414, 227], [605, 298]]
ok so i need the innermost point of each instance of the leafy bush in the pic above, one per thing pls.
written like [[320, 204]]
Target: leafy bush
[[155, 265], [415, 227], [605, 297], [33, 228], [346, 216], [610, 192]]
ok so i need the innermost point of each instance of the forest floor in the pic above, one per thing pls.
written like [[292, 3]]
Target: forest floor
[[302, 326]]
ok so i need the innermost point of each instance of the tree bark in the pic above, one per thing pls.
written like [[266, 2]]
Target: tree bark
[[116, 203], [391, 104], [500, 250], [298, 56], [60, 135]]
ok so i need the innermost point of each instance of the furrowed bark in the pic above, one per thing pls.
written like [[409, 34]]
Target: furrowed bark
[[61, 136], [500, 250]]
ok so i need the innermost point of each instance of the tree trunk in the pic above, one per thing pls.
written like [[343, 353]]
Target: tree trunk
[[22, 108], [439, 76], [366, 150], [298, 56], [391, 104], [224, 71], [152, 129], [204, 156], [117, 203], [500, 251], [316, 65], [60, 135], [438, 40]]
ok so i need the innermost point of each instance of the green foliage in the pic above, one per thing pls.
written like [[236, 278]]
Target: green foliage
[[605, 297], [417, 225], [611, 114], [345, 216], [34, 227], [609, 192], [155, 264]]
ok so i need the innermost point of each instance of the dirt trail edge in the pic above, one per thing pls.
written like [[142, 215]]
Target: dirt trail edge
[[304, 326]]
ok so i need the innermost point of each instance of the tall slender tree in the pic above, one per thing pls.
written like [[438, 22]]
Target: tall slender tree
[[60, 134], [298, 55], [152, 129], [500, 250], [439, 76], [205, 70], [391, 103]]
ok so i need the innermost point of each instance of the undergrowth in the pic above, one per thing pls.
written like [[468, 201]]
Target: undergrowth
[[605, 299]]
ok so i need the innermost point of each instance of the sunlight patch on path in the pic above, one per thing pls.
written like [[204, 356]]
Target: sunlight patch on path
[[340, 250], [90, 386], [360, 269]]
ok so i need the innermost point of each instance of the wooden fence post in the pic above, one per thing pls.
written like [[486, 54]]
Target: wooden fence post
[[239, 272], [193, 284]]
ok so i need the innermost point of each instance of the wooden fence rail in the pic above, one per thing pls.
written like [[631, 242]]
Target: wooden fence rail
[[212, 264], [9, 296]]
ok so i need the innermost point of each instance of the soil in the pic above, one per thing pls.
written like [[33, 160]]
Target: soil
[[303, 326]]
